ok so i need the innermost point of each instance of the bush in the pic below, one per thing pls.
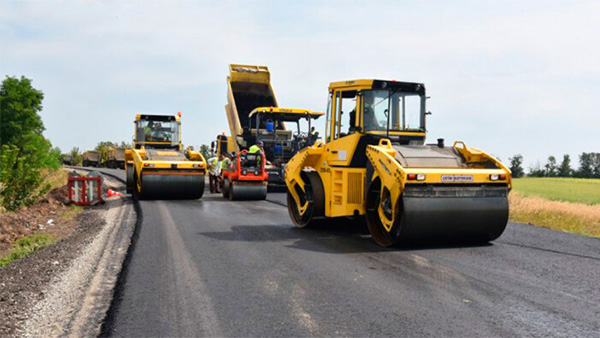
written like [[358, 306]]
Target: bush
[[20, 182]]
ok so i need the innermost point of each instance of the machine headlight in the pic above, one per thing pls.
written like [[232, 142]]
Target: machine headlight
[[416, 177], [497, 177]]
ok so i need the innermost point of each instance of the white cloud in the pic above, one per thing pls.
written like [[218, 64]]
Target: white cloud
[[505, 77]]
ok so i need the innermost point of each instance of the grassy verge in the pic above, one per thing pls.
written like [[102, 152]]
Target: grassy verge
[[577, 218], [574, 190], [25, 246]]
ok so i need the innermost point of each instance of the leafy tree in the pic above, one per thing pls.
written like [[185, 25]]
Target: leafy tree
[[25, 153], [103, 148], [19, 104], [124, 144], [551, 168], [76, 157], [596, 165], [564, 170], [205, 151], [516, 167], [536, 171], [586, 162]]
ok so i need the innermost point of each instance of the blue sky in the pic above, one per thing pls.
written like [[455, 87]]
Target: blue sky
[[506, 77]]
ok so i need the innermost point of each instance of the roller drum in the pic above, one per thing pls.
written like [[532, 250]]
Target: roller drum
[[473, 219], [172, 186], [247, 192]]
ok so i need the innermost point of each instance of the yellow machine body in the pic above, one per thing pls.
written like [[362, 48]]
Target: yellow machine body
[[405, 190], [157, 166]]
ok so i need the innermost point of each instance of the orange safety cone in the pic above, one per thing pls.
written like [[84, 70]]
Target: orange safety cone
[[112, 193]]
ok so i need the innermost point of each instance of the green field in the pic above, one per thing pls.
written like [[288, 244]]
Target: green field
[[574, 190]]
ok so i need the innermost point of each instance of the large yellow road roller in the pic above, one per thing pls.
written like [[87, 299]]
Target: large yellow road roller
[[375, 166], [157, 167]]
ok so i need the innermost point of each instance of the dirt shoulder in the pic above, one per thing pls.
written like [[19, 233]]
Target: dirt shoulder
[[64, 288], [24, 282]]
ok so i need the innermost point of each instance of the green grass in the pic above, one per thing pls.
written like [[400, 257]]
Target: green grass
[[26, 246], [574, 190]]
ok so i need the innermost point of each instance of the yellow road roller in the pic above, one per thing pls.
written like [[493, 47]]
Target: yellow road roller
[[375, 166], [157, 167]]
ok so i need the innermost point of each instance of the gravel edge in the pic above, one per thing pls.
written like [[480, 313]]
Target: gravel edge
[[78, 299]]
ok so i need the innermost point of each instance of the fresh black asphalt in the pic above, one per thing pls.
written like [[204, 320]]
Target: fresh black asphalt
[[212, 267]]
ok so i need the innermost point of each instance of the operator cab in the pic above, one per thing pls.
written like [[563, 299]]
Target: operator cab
[[157, 131], [281, 143], [386, 109]]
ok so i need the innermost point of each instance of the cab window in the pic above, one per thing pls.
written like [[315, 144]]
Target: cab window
[[402, 111], [345, 113]]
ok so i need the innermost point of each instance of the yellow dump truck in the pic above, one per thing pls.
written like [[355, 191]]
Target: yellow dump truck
[[115, 158], [253, 114], [91, 158], [157, 167], [375, 166]]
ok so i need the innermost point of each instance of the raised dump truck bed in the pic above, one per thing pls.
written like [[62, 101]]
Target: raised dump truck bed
[[248, 87], [250, 92]]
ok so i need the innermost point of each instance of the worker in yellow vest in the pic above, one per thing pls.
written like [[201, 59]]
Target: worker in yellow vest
[[257, 148]]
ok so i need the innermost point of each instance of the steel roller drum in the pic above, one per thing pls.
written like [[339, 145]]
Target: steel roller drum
[[175, 186], [248, 192], [474, 214]]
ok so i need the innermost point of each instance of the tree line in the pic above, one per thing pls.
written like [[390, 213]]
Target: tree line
[[589, 167]]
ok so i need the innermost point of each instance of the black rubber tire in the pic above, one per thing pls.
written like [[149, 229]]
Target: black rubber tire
[[315, 194], [137, 194], [225, 189], [130, 172], [231, 192]]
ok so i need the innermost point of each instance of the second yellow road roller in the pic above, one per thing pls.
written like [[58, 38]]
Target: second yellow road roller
[[157, 167], [375, 166]]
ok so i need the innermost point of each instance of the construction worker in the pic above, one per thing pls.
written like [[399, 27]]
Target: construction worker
[[257, 148], [214, 171], [148, 129], [225, 162], [314, 135]]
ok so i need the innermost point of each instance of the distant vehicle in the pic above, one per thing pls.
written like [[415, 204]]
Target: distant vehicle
[[115, 158], [67, 160], [91, 158]]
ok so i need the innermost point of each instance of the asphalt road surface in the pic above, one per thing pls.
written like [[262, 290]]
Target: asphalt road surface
[[212, 267]]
